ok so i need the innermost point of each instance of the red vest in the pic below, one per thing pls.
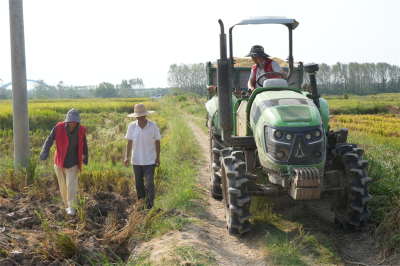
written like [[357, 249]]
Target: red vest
[[267, 68], [62, 143]]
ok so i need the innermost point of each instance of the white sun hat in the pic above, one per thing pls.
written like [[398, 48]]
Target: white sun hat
[[140, 110]]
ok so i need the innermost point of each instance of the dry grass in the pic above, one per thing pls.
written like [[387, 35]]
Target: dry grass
[[132, 228], [112, 226], [247, 62], [389, 230]]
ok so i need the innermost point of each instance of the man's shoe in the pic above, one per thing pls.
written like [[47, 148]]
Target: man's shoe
[[71, 211]]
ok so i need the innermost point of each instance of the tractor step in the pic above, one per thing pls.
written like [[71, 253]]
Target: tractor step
[[261, 190]]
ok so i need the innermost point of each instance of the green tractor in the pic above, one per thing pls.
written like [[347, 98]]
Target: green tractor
[[283, 133]]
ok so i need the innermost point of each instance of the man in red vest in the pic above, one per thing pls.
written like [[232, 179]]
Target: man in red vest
[[262, 65], [71, 151]]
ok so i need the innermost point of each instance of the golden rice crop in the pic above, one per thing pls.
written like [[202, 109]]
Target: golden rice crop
[[44, 114], [387, 125]]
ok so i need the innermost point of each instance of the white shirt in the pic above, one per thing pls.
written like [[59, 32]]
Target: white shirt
[[144, 147], [260, 70]]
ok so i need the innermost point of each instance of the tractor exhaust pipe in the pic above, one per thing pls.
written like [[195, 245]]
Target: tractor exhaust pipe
[[224, 88], [312, 70]]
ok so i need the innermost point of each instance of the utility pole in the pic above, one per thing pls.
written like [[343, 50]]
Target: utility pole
[[19, 86]]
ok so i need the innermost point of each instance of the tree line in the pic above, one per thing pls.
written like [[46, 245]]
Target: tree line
[[186, 78], [340, 78], [126, 89], [357, 78], [337, 79]]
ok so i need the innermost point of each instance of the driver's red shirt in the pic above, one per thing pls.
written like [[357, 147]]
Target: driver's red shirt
[[267, 68]]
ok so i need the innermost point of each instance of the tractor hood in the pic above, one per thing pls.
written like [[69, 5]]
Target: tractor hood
[[288, 130], [284, 109]]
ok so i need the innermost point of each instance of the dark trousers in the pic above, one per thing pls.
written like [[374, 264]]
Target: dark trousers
[[146, 171]]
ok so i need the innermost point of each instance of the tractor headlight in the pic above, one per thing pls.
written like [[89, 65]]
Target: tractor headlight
[[289, 136], [278, 134], [317, 154], [308, 136], [317, 133], [280, 154]]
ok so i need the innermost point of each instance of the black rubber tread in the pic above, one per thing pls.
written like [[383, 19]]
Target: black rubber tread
[[215, 187], [215, 180], [216, 194], [237, 203], [351, 205]]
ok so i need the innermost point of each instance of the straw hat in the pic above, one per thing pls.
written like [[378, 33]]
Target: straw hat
[[140, 110]]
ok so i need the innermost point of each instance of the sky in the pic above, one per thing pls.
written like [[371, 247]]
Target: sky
[[87, 42]]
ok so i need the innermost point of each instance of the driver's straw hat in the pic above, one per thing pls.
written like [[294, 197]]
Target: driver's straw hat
[[257, 51], [140, 110]]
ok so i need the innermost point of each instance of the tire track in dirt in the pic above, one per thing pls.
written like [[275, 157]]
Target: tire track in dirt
[[231, 250]]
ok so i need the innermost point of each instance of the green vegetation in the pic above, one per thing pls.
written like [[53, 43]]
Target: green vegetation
[[187, 78], [371, 104], [105, 90]]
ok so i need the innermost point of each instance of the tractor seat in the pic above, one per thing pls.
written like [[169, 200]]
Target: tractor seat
[[275, 83]]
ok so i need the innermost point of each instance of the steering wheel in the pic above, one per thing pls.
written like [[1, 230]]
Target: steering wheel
[[266, 76]]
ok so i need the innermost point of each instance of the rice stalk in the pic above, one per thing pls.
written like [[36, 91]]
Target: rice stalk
[[97, 179], [112, 226], [131, 228], [123, 187]]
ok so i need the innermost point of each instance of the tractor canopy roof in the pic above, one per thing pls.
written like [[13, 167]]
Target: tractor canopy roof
[[269, 20]]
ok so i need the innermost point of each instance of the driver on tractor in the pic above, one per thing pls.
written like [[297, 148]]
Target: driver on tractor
[[262, 65]]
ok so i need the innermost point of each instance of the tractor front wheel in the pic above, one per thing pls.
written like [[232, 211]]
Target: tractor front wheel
[[350, 204], [235, 198]]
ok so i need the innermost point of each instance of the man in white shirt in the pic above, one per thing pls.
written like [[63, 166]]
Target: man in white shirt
[[262, 65], [144, 145]]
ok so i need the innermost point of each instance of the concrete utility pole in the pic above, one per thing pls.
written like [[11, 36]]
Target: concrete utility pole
[[19, 86]]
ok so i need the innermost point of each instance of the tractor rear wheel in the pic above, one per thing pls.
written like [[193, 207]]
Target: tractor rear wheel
[[215, 148], [351, 204], [235, 198]]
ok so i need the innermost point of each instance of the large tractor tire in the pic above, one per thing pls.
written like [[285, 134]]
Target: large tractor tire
[[235, 199], [215, 150], [351, 204]]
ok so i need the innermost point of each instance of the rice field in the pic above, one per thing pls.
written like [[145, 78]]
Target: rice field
[[387, 125], [370, 104], [107, 206]]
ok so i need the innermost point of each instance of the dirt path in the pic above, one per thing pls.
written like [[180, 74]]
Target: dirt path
[[231, 250]]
